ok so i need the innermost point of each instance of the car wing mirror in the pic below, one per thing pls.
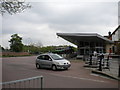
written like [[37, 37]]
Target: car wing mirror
[[50, 59]]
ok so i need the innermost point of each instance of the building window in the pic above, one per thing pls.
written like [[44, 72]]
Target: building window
[[92, 44], [86, 43], [81, 44]]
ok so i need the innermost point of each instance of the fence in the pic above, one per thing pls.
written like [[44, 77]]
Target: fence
[[114, 66], [105, 64], [34, 82]]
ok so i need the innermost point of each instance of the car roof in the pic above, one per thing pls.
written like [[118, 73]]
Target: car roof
[[46, 54]]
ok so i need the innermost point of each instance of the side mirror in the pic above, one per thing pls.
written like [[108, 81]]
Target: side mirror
[[50, 59]]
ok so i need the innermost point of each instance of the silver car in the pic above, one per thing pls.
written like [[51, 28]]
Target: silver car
[[53, 61]]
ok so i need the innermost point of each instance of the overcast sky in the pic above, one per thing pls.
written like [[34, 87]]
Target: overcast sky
[[46, 18]]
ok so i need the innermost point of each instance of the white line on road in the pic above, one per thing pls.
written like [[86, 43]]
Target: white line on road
[[69, 76], [77, 78]]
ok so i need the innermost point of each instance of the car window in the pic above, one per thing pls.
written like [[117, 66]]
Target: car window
[[57, 57], [41, 57], [44, 57]]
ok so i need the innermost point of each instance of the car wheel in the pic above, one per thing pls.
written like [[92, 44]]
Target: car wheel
[[37, 66], [54, 68]]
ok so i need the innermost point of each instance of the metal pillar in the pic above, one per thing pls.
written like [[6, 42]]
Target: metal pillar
[[119, 71], [107, 65], [100, 62], [119, 66], [90, 63], [41, 83]]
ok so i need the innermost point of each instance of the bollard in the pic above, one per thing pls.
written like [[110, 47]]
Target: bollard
[[90, 63], [107, 62], [100, 63], [102, 56]]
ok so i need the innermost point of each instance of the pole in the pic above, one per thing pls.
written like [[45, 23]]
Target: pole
[[41, 83], [100, 63], [119, 66], [107, 62], [90, 63]]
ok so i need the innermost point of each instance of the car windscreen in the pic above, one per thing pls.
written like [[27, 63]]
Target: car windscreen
[[56, 57]]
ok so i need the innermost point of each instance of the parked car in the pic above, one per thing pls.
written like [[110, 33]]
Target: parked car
[[53, 61]]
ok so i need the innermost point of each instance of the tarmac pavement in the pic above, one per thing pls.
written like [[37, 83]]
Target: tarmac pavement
[[77, 76]]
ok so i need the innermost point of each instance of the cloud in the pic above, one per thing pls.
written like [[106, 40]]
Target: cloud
[[41, 23]]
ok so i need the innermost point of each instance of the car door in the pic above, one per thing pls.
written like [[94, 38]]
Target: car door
[[40, 60], [47, 61]]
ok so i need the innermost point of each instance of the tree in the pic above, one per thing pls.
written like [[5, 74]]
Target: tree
[[13, 6], [16, 43], [1, 48]]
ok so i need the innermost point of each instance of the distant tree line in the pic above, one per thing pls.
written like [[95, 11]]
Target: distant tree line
[[16, 45], [37, 50]]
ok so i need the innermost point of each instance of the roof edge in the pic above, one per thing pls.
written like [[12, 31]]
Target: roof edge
[[85, 34]]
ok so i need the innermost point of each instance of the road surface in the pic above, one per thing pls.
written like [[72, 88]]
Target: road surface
[[15, 68]]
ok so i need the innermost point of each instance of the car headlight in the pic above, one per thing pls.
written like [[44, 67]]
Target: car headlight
[[69, 63]]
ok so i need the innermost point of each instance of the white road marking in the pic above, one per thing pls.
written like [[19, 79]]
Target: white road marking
[[70, 76], [77, 78], [67, 76]]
